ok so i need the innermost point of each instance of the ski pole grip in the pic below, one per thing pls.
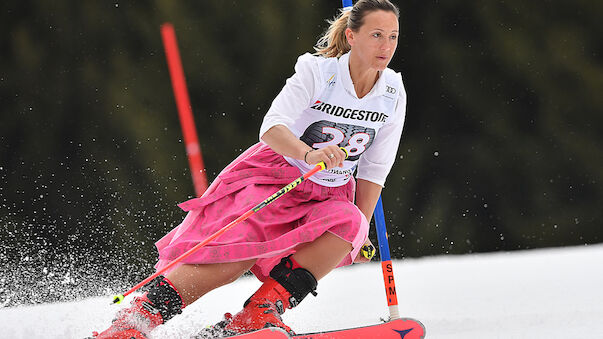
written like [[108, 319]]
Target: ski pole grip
[[322, 164], [345, 151]]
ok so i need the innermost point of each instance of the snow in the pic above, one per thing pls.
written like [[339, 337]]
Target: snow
[[547, 293]]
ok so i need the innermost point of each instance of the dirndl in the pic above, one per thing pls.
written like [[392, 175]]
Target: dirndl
[[300, 216]]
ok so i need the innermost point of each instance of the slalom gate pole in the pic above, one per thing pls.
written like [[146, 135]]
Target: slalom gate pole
[[319, 167], [193, 149], [347, 4], [386, 262]]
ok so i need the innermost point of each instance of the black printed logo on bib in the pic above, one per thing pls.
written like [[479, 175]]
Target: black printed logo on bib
[[355, 139]]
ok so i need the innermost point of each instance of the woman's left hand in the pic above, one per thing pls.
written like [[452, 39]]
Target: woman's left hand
[[360, 258]]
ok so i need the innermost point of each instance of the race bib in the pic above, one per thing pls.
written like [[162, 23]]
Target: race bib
[[355, 139]]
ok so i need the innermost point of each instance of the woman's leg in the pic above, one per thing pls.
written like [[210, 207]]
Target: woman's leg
[[167, 296], [289, 283], [323, 254], [194, 281]]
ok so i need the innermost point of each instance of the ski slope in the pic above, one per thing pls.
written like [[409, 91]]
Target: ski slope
[[550, 293]]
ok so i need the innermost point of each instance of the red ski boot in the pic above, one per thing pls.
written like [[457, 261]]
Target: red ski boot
[[155, 307], [286, 287]]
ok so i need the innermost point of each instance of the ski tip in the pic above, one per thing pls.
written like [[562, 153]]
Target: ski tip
[[402, 328]]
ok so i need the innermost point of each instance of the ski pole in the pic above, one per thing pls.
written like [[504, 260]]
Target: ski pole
[[319, 167], [386, 262]]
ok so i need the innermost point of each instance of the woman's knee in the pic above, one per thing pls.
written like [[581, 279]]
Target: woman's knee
[[194, 281], [353, 218]]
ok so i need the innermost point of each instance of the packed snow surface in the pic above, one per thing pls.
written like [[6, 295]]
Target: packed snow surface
[[550, 293]]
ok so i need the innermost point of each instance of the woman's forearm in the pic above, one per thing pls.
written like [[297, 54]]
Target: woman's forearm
[[283, 142], [367, 194]]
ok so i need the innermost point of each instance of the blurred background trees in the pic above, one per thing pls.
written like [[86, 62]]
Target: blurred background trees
[[502, 147]]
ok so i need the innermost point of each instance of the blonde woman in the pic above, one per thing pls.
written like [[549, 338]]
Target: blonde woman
[[342, 96]]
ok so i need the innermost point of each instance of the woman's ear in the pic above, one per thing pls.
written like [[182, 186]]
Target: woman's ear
[[349, 34]]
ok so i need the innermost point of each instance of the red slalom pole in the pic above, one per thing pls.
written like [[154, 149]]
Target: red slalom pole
[[319, 167], [191, 141]]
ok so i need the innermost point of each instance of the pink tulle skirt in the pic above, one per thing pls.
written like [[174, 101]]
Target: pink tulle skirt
[[300, 216]]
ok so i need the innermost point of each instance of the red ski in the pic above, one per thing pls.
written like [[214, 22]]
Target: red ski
[[395, 329], [267, 333]]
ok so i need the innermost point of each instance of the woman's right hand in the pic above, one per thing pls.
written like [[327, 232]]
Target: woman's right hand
[[331, 155]]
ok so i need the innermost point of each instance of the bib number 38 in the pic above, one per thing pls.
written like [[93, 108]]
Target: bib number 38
[[355, 139]]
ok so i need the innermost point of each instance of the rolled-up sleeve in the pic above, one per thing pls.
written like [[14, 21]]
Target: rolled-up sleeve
[[295, 96], [374, 164]]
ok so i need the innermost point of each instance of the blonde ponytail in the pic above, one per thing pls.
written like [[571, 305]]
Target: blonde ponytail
[[334, 42]]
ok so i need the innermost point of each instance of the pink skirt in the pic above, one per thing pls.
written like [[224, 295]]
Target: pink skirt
[[300, 216]]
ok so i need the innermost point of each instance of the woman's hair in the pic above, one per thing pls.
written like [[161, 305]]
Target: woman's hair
[[334, 43]]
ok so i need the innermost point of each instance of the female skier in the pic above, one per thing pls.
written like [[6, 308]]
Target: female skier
[[344, 96]]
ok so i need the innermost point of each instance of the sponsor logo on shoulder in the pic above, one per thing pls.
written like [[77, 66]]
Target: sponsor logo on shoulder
[[390, 92], [331, 81]]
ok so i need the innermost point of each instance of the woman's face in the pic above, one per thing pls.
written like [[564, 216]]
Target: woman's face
[[375, 42]]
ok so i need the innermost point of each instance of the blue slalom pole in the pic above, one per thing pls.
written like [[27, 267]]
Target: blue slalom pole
[[347, 4], [386, 262]]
